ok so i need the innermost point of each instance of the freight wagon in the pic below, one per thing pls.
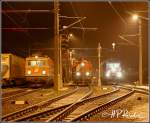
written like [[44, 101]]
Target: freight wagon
[[12, 70]]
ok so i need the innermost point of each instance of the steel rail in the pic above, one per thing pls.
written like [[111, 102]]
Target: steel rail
[[66, 112], [35, 107], [137, 90], [73, 106], [7, 94], [87, 115], [18, 94], [53, 111]]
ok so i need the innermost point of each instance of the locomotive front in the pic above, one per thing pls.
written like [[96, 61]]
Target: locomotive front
[[113, 71], [39, 70], [83, 73]]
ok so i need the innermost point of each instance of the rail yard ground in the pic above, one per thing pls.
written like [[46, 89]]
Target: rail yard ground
[[30, 98], [73, 103], [134, 108]]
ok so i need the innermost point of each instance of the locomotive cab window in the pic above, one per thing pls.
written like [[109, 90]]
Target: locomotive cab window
[[36, 63]]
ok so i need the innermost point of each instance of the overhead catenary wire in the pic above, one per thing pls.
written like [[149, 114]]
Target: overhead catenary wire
[[123, 20], [76, 14], [12, 8], [70, 49], [70, 17], [26, 11], [25, 28], [18, 26]]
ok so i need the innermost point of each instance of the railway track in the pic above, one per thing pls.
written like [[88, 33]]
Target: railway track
[[80, 108], [62, 111], [18, 93], [7, 94], [77, 110], [40, 106], [137, 90], [91, 112]]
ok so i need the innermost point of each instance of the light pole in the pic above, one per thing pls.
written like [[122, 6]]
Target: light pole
[[57, 68], [66, 65], [113, 46], [99, 65], [72, 52], [140, 54], [70, 66], [135, 17]]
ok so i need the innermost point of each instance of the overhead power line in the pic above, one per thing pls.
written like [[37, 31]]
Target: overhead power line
[[22, 28], [70, 17], [123, 20], [26, 11], [128, 41], [76, 14]]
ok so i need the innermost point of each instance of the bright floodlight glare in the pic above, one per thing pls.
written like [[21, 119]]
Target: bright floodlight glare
[[119, 74], [135, 17], [70, 35], [36, 57], [82, 64], [78, 74], [87, 73], [64, 27], [113, 44]]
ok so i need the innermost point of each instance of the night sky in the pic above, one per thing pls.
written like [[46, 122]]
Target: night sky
[[99, 14]]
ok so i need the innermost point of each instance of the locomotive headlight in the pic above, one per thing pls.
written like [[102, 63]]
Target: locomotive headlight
[[107, 74], [119, 74], [87, 73], [78, 73], [43, 72], [29, 72]]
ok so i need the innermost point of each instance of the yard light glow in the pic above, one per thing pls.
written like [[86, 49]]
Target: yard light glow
[[135, 17], [70, 35], [64, 27], [36, 57]]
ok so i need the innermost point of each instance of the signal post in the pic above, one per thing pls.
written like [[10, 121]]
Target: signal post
[[99, 65]]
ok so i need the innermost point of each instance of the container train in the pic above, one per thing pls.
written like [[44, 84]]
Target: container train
[[32, 71], [82, 73], [12, 70]]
